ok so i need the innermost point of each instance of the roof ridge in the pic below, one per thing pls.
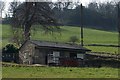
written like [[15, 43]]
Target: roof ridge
[[58, 42]]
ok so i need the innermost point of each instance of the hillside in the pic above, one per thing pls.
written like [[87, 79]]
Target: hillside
[[91, 36]]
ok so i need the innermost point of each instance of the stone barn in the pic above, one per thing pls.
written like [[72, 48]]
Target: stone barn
[[52, 53]]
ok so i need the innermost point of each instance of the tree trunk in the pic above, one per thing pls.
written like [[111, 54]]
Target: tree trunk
[[27, 31], [27, 24]]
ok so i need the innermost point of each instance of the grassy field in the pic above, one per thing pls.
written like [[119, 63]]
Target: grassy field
[[59, 72], [91, 36]]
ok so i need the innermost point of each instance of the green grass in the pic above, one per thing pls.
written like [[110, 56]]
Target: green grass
[[59, 72], [111, 50], [102, 37], [6, 34], [91, 36], [6, 31]]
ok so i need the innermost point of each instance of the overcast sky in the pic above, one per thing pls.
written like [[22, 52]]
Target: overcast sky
[[84, 2]]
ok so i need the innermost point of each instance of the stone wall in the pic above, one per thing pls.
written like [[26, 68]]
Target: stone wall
[[26, 53]]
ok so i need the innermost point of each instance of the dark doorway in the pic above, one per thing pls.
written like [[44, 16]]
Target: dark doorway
[[73, 55]]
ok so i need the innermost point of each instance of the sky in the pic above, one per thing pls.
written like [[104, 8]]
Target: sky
[[84, 2]]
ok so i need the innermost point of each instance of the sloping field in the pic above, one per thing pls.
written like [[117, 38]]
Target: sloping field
[[91, 36]]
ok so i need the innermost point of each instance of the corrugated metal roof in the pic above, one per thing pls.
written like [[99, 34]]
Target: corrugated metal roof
[[58, 45]]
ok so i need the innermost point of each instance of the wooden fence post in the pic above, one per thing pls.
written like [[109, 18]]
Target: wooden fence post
[[81, 19], [118, 7]]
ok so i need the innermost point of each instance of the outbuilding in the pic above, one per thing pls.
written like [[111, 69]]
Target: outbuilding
[[52, 53]]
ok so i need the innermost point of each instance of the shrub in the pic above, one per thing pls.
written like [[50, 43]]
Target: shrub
[[10, 53], [10, 48], [74, 39]]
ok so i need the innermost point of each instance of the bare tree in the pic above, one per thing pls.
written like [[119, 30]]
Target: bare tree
[[16, 38], [2, 7], [29, 13]]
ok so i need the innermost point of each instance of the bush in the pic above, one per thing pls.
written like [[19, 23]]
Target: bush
[[74, 39], [10, 48], [10, 53]]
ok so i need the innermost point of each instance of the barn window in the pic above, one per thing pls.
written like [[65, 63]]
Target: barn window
[[54, 57], [56, 54], [81, 56]]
